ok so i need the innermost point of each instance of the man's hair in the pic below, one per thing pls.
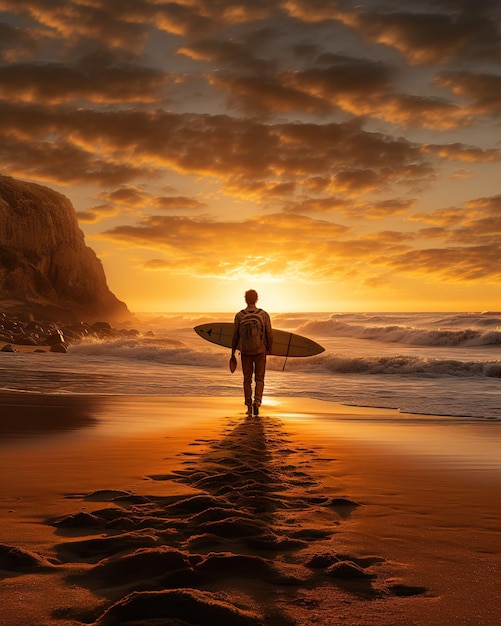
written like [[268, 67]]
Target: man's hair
[[251, 296]]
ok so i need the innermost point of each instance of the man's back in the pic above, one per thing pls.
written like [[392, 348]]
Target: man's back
[[254, 331]]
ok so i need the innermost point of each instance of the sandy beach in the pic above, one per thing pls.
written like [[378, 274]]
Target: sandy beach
[[182, 510]]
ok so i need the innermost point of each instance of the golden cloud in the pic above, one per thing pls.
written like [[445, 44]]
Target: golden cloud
[[97, 213], [457, 264], [351, 208], [308, 249], [133, 197], [478, 223], [111, 146], [207, 247]]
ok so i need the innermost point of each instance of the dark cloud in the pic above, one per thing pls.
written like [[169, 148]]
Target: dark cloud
[[464, 153], [94, 79], [341, 75], [359, 87], [63, 163], [17, 43], [430, 38], [267, 95], [233, 149], [484, 90], [351, 208], [108, 21], [227, 53], [443, 33]]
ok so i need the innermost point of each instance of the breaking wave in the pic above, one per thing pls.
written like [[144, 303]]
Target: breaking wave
[[405, 365], [171, 352], [408, 335]]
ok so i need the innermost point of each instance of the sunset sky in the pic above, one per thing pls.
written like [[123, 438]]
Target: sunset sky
[[334, 155]]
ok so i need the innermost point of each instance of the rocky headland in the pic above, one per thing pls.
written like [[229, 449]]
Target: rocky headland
[[47, 272]]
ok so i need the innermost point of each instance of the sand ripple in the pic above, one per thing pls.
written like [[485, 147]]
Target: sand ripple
[[257, 536]]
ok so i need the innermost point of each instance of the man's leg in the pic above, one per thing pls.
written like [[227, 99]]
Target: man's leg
[[260, 369], [247, 369]]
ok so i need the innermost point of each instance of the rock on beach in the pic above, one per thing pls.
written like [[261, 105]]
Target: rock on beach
[[25, 333]]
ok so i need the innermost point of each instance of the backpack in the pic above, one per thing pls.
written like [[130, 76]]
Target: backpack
[[252, 333]]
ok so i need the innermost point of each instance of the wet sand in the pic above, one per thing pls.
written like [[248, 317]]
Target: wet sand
[[140, 510]]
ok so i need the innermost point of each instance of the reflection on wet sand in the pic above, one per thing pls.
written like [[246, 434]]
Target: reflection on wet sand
[[37, 415]]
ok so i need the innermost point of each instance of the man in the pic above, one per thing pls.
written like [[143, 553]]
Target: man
[[253, 336]]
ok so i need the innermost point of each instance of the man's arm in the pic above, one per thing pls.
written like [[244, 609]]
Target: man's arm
[[236, 334], [268, 333]]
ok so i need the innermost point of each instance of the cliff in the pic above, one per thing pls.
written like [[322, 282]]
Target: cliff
[[45, 267]]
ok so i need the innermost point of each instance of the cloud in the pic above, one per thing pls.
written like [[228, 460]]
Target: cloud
[[351, 208], [291, 246], [114, 146], [330, 104], [177, 203], [460, 152], [16, 43], [455, 264], [360, 87], [462, 31], [462, 173], [430, 38], [60, 162], [298, 247], [331, 204], [127, 25], [97, 213], [483, 89], [96, 78], [381, 209], [131, 196], [226, 249], [366, 87], [266, 95], [99, 20], [477, 223], [227, 52], [134, 197]]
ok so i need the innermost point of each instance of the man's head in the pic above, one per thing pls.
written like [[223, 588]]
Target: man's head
[[251, 296]]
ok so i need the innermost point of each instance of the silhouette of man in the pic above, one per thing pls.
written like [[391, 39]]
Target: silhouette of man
[[253, 336]]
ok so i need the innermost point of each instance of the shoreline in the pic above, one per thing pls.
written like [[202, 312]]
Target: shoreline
[[6, 392], [419, 530]]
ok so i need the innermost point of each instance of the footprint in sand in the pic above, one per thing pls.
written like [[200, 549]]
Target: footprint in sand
[[247, 535]]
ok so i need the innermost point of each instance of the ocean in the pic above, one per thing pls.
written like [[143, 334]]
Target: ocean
[[423, 363]]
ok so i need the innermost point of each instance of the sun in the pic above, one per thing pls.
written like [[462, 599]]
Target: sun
[[277, 296]]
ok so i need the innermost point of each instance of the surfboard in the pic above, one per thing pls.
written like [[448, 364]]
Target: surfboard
[[284, 343]]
